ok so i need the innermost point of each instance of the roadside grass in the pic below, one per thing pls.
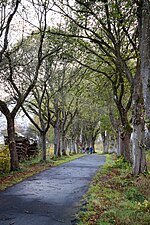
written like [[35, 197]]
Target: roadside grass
[[116, 197], [30, 167]]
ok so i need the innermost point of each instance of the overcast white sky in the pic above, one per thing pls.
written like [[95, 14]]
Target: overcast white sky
[[23, 24], [26, 20]]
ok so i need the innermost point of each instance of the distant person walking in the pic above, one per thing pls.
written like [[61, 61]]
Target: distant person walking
[[91, 150], [83, 150], [87, 150]]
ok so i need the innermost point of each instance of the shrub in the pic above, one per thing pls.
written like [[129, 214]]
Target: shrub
[[4, 159], [121, 163]]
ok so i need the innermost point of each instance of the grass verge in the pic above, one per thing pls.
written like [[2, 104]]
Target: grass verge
[[116, 197], [29, 168]]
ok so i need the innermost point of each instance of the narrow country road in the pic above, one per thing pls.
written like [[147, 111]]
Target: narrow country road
[[51, 197]]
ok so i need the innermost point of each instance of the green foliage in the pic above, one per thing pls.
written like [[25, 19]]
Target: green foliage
[[121, 163], [4, 159], [133, 194]]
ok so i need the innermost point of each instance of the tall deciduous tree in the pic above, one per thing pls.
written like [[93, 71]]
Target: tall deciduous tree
[[144, 38], [7, 12], [39, 101], [13, 74], [39, 106], [64, 102], [142, 89]]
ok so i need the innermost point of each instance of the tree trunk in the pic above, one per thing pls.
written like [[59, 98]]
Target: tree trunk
[[57, 140], [144, 36], [43, 145], [12, 144], [57, 130], [74, 148], [105, 140], [118, 143], [63, 147], [125, 145], [14, 163], [138, 147]]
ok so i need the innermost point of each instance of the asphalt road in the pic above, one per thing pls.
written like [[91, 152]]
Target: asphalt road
[[51, 197]]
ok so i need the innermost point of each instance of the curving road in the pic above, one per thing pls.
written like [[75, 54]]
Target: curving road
[[51, 197]]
